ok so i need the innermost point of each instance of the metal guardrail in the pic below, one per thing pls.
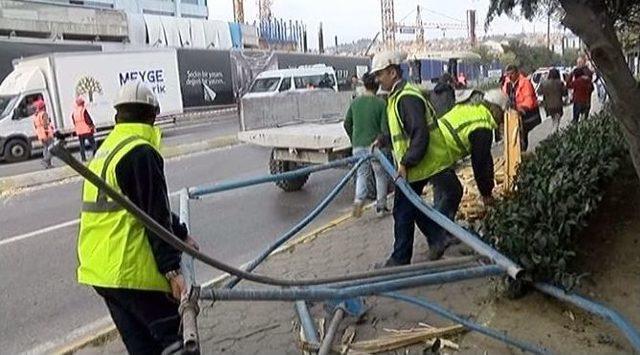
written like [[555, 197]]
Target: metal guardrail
[[384, 283]]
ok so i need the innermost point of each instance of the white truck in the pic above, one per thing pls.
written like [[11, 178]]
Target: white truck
[[302, 128], [59, 78]]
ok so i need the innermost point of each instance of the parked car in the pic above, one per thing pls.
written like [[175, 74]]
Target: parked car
[[272, 82]]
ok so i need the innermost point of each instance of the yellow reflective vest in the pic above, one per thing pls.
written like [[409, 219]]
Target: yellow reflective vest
[[113, 249], [437, 157], [457, 124]]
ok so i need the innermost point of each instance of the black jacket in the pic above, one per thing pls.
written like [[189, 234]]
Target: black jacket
[[140, 175], [412, 113]]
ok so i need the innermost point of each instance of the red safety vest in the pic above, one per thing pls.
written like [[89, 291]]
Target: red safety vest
[[80, 123], [44, 130]]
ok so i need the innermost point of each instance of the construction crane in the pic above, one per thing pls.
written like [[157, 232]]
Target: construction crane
[[264, 9], [388, 24], [238, 11], [390, 27]]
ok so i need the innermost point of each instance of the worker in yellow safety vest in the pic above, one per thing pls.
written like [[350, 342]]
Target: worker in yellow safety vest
[[421, 157], [134, 271], [468, 130]]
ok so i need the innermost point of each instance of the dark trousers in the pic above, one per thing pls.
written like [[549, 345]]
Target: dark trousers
[[530, 120], [580, 111], [148, 321], [84, 139], [447, 193]]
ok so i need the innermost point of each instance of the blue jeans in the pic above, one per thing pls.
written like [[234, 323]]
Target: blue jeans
[[447, 193], [364, 174]]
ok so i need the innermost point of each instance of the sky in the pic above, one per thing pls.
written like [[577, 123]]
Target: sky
[[351, 20]]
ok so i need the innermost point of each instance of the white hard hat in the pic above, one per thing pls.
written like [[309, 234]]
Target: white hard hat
[[136, 92], [384, 59], [467, 94], [497, 97]]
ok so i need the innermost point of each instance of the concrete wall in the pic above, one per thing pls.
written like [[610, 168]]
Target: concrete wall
[[50, 20]]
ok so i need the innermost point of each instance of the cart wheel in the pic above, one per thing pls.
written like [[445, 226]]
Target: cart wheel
[[281, 166]]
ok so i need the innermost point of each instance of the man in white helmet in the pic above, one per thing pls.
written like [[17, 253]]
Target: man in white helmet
[[135, 272], [468, 129], [421, 157]]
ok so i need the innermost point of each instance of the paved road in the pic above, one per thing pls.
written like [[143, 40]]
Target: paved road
[[40, 299], [181, 134]]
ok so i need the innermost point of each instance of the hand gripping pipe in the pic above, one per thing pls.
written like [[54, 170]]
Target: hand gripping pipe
[[213, 188], [596, 308], [465, 236], [324, 293], [468, 324], [303, 223]]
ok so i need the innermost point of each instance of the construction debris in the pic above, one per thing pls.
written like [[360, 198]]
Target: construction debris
[[403, 339]]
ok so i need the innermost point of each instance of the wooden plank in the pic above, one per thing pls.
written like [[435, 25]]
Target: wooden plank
[[512, 157], [401, 340]]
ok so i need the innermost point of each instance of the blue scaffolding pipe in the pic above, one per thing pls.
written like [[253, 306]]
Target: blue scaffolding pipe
[[303, 223], [197, 191], [306, 322], [413, 273], [445, 313], [324, 293], [465, 236], [596, 308]]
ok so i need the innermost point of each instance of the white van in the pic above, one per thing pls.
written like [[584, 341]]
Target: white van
[[272, 82]]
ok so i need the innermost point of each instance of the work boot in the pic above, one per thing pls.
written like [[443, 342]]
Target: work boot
[[436, 251], [388, 263], [382, 211], [357, 209]]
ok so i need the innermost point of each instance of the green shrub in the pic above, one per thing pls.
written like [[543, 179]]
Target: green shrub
[[557, 188]]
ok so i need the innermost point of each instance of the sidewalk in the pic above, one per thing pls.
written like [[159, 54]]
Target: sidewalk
[[271, 327]]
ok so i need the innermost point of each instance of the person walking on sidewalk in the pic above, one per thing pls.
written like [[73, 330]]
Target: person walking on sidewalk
[[415, 141], [582, 90], [363, 123], [44, 131], [522, 97], [84, 128], [553, 90], [135, 272]]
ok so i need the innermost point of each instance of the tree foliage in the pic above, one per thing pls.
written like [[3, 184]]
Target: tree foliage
[[530, 58]]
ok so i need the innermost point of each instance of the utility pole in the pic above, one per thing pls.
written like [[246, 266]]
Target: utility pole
[[320, 39], [419, 28]]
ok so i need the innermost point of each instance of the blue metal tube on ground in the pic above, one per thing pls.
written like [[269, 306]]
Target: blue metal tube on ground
[[468, 324], [197, 191], [465, 236], [303, 223], [324, 293], [306, 322], [596, 308]]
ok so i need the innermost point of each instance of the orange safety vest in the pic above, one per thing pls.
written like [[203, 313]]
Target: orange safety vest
[[44, 130], [79, 122], [526, 99]]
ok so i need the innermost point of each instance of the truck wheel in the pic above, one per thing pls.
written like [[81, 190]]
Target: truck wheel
[[281, 166], [16, 150]]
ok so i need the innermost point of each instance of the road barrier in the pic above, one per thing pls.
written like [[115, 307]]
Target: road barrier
[[380, 282]]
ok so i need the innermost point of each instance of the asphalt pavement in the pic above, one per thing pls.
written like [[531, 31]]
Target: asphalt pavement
[[181, 133], [41, 301]]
